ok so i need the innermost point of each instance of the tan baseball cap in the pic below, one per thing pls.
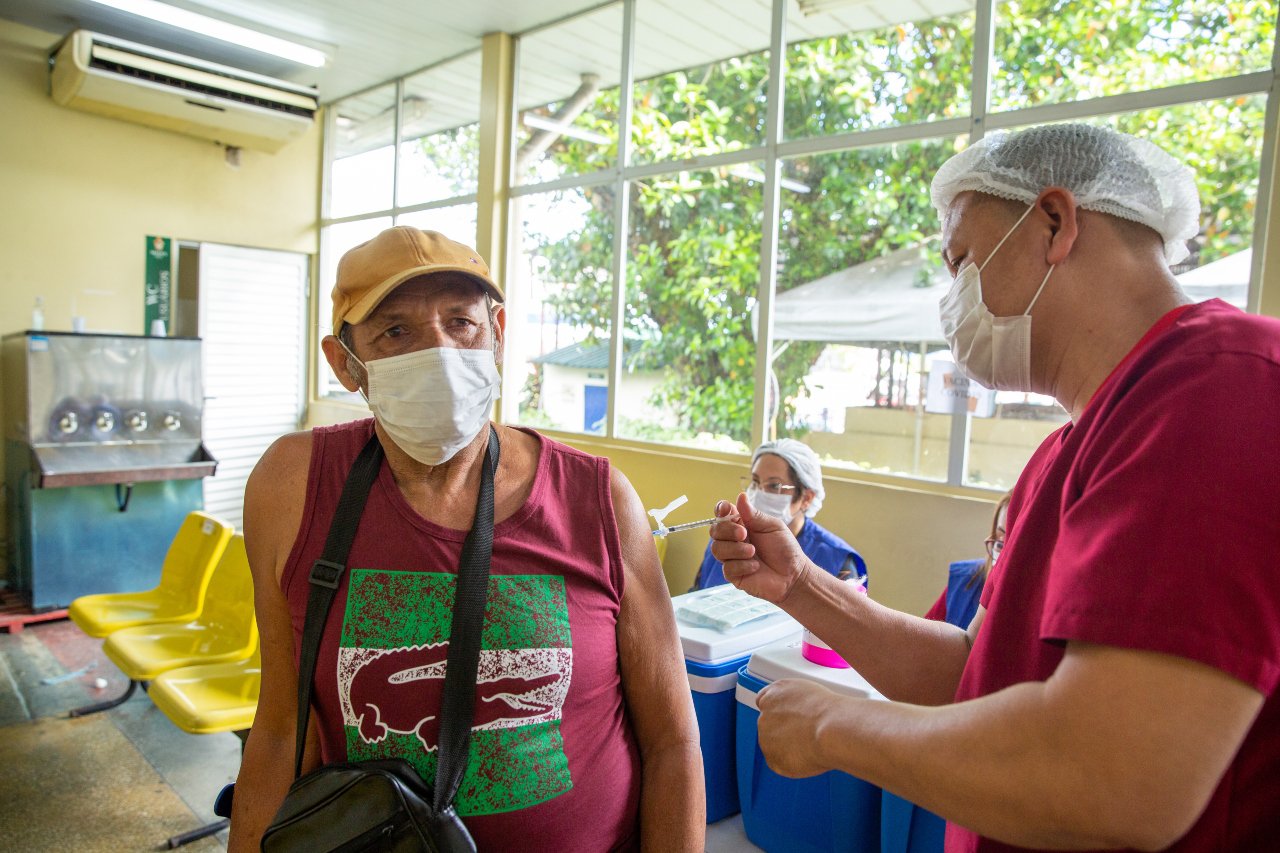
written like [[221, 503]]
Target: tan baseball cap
[[367, 273]]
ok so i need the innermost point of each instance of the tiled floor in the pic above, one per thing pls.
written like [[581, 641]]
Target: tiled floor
[[125, 779], [122, 780]]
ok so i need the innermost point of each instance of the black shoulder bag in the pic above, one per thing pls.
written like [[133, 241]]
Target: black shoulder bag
[[384, 805]]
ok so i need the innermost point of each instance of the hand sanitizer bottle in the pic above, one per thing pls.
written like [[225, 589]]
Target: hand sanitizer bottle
[[37, 315]]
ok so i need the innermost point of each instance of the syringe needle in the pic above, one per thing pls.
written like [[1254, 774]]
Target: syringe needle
[[688, 525]]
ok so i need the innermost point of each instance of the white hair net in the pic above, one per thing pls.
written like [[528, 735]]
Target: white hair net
[[1107, 171], [803, 461]]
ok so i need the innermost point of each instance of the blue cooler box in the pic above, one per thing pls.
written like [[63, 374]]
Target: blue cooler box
[[907, 828], [712, 659], [830, 812]]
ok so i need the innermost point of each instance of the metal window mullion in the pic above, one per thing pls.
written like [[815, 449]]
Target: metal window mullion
[[1263, 253], [767, 285], [469, 198], [618, 307], [698, 163], [395, 147], [601, 178], [912, 132], [1127, 102], [984, 26]]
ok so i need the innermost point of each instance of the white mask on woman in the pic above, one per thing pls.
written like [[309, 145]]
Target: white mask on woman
[[433, 402], [767, 503], [993, 351]]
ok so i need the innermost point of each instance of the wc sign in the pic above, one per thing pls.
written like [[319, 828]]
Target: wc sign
[[158, 289], [951, 391]]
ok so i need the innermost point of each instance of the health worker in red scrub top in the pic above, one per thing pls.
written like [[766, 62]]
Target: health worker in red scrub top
[[1117, 687]]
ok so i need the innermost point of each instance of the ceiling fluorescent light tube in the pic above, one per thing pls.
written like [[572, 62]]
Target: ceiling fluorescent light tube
[[221, 30]]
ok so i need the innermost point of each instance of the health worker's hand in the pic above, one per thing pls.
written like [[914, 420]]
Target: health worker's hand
[[791, 711], [760, 554]]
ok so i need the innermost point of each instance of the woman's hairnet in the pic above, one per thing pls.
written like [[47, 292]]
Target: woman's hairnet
[[803, 461], [1107, 171]]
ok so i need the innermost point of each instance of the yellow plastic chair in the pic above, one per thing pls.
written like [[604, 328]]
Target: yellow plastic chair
[[210, 698], [184, 577], [225, 630]]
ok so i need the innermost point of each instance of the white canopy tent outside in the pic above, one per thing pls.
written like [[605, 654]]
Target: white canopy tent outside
[[876, 301], [879, 301]]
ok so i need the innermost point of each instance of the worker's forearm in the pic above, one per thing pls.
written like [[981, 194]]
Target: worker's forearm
[[906, 658], [673, 799], [1003, 766]]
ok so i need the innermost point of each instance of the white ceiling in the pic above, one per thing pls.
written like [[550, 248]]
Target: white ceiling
[[375, 41], [370, 41]]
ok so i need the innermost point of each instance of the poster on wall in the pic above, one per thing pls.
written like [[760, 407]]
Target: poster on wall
[[158, 289]]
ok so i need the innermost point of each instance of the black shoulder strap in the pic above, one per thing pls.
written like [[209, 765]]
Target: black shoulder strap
[[470, 594], [326, 573]]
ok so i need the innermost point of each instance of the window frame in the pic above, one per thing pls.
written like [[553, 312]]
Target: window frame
[[979, 121]]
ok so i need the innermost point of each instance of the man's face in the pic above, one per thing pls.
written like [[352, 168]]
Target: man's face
[[971, 229], [441, 310]]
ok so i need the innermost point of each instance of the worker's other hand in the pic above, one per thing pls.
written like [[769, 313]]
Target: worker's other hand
[[760, 554], [791, 711]]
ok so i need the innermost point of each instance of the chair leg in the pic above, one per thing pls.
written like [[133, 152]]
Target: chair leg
[[196, 834], [103, 706]]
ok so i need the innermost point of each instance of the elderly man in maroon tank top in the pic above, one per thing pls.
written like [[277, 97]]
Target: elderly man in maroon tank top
[[584, 736]]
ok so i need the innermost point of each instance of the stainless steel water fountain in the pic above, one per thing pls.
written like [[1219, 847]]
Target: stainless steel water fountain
[[103, 458]]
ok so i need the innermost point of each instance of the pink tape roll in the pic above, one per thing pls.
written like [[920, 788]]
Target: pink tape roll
[[818, 652]]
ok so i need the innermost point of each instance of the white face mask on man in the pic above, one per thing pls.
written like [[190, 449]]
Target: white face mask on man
[[993, 351], [433, 402]]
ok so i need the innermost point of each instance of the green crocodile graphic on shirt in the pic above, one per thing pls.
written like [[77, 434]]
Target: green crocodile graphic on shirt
[[391, 665]]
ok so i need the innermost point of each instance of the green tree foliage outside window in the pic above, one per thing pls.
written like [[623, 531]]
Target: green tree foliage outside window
[[694, 238]]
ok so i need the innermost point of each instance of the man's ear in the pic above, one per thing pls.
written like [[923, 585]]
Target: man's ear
[[336, 355], [1058, 206]]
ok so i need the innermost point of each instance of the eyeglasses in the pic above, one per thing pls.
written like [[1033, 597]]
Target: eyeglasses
[[773, 487], [994, 547]]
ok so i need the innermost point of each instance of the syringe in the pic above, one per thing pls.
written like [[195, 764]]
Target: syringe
[[688, 525]]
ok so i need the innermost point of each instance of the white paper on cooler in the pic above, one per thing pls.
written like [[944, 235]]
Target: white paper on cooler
[[724, 609]]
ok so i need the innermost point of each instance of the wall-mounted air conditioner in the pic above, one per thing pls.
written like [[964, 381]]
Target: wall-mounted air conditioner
[[142, 84]]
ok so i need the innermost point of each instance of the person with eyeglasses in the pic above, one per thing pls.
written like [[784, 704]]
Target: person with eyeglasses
[[786, 483], [958, 603]]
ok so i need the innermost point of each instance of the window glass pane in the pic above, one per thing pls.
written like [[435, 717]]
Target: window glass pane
[[439, 132], [851, 68], [559, 303], [567, 88], [363, 156], [701, 71], [1219, 140], [1047, 51], [335, 240], [457, 222], [692, 276], [856, 316]]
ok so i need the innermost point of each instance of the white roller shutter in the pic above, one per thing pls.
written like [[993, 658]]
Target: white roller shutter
[[253, 322]]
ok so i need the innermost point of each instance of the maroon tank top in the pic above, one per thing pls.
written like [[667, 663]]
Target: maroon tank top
[[553, 760]]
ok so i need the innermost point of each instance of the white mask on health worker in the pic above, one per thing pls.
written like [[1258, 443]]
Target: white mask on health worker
[[767, 503], [993, 351], [433, 402]]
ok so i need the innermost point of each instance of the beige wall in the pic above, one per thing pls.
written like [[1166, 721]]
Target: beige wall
[[81, 192]]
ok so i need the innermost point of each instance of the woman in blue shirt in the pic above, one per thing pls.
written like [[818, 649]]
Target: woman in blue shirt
[[786, 482]]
